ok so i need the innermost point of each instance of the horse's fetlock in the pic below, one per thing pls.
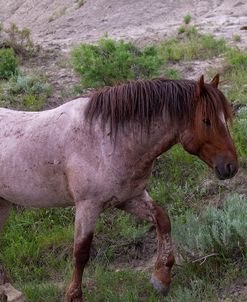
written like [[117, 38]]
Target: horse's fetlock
[[74, 294]]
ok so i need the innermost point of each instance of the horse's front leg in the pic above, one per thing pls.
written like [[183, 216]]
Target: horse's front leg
[[147, 209], [85, 220]]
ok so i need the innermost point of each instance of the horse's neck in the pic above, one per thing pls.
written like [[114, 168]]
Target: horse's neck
[[132, 148], [143, 148]]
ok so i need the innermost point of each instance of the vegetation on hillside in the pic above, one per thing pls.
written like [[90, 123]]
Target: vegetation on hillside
[[110, 62], [8, 63], [18, 89]]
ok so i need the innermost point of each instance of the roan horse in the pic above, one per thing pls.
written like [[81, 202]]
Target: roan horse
[[98, 152]]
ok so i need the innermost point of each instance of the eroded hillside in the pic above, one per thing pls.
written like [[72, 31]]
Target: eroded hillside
[[68, 22]]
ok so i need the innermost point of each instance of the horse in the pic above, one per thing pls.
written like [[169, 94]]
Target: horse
[[97, 152]]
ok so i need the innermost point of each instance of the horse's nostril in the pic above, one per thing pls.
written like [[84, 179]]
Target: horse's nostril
[[229, 168]]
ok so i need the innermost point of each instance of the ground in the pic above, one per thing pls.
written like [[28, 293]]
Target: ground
[[65, 23]]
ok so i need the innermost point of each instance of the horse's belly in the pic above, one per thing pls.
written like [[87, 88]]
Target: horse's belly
[[35, 190], [36, 198]]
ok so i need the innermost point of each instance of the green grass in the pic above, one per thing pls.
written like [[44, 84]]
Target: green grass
[[236, 58], [176, 180], [42, 292], [192, 46], [171, 73], [35, 243], [192, 282], [239, 131], [131, 286], [235, 76], [116, 233]]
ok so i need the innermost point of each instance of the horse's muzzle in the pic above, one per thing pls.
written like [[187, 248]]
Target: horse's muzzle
[[225, 169]]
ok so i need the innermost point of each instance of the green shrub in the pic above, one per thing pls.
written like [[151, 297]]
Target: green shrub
[[181, 30], [8, 63], [25, 92], [222, 231], [111, 61], [192, 31], [29, 84], [236, 38], [187, 19], [19, 39], [210, 43], [172, 73]]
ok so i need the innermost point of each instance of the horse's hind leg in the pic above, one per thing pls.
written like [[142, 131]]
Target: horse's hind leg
[[4, 211], [85, 221], [147, 209]]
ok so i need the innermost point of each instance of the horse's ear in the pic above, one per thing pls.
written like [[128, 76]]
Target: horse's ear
[[215, 81], [200, 85]]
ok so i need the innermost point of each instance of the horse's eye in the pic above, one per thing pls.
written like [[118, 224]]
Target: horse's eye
[[207, 122]]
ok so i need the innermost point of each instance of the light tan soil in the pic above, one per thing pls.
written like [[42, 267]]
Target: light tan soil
[[63, 22]]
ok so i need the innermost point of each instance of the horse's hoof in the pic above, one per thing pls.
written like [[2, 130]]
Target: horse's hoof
[[159, 286]]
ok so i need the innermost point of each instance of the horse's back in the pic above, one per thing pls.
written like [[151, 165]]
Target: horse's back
[[33, 154]]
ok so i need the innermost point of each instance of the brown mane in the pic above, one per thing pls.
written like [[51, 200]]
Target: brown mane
[[143, 101]]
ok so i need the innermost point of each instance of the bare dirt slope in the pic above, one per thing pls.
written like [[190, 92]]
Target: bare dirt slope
[[63, 22]]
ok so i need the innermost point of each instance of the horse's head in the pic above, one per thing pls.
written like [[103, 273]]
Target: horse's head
[[208, 136]]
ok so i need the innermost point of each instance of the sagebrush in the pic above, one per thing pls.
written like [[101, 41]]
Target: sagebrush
[[222, 231]]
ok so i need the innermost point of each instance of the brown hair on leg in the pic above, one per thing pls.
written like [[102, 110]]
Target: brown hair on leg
[[145, 208], [80, 258], [161, 277], [86, 215]]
